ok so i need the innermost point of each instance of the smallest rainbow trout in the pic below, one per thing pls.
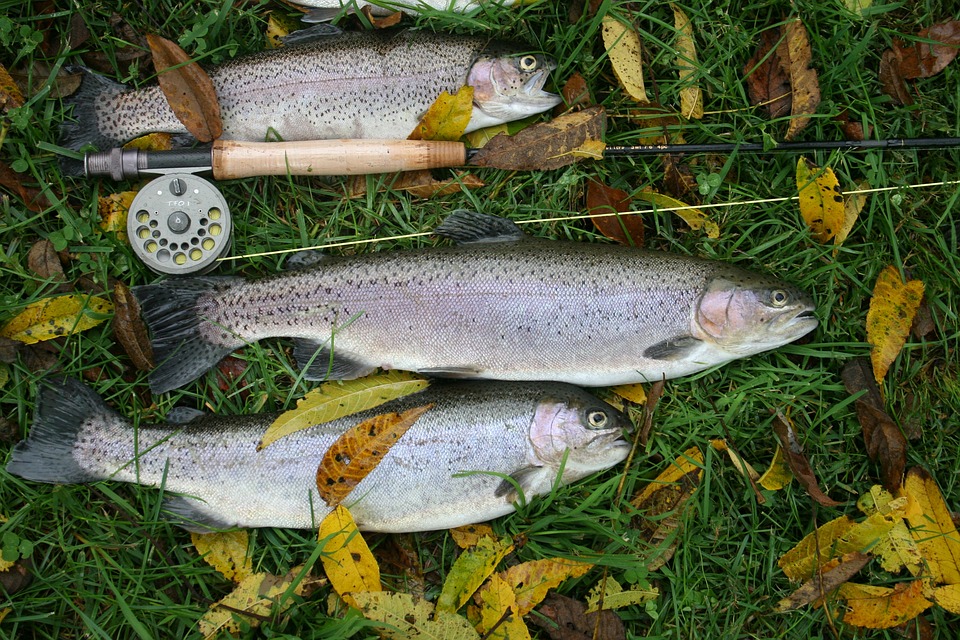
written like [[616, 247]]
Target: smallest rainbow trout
[[461, 462]]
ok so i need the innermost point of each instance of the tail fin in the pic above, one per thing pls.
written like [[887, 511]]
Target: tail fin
[[180, 350], [64, 407], [84, 128]]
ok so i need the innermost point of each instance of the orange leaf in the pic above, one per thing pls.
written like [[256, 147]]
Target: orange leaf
[[188, 89], [531, 580], [882, 607], [893, 305], [359, 450], [603, 201]]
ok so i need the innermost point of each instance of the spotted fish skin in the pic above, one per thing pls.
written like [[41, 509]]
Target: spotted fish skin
[[348, 85], [495, 429], [497, 306]]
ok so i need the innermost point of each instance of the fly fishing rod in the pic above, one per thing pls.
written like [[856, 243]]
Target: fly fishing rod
[[180, 224]]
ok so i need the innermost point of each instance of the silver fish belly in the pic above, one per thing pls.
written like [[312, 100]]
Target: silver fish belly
[[448, 469], [498, 306], [349, 85]]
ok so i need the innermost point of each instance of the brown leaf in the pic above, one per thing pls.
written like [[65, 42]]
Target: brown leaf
[[924, 59], [9, 350], [851, 130], [563, 618], [229, 371], [31, 197], [824, 583], [122, 59], [398, 556], [768, 82], [602, 200], [17, 577], [129, 329], [420, 184], [359, 450], [678, 180], [43, 260], [882, 437], [187, 88], [37, 76], [795, 56], [544, 146], [798, 462], [891, 79], [381, 22], [576, 94], [923, 323], [10, 94]]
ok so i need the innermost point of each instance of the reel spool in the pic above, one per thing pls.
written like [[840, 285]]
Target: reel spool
[[179, 224]]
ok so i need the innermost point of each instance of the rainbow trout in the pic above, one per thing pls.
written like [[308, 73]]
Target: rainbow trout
[[447, 470], [326, 10], [346, 85], [498, 305]]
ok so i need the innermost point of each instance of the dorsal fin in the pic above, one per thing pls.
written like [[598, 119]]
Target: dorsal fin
[[466, 227]]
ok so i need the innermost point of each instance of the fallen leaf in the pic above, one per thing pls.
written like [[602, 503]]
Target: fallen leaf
[[778, 474], [893, 306], [346, 558], [16, 577], [188, 89], [10, 95], [932, 527], [278, 28], [129, 329], [892, 80], [381, 22], [408, 618], [334, 400], [744, 467], [632, 392], [678, 180], [876, 607], [694, 217], [532, 580], [499, 615], [853, 204], [470, 570], [480, 137], [851, 130], [359, 450], [661, 503], [623, 47], [156, 141], [658, 120], [897, 550], [563, 618], [544, 146], [821, 201], [58, 316], [935, 48], [768, 82], [43, 260], [469, 535], [419, 184], [825, 583], [795, 55], [799, 465], [948, 597], [32, 198], [615, 597], [691, 98], [447, 118], [227, 552], [113, 210], [576, 93], [603, 200], [884, 441], [398, 556], [857, 6], [256, 595]]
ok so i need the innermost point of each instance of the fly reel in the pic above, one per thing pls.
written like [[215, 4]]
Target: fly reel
[[179, 224]]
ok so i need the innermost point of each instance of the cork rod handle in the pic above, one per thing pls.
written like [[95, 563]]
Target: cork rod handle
[[232, 159]]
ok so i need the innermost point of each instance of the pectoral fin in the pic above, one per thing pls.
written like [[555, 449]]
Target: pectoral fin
[[529, 481], [672, 349]]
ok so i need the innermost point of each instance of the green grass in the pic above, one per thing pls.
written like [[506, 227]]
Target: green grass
[[107, 566]]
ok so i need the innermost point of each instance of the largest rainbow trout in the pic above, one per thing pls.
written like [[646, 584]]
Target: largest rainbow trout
[[498, 305]]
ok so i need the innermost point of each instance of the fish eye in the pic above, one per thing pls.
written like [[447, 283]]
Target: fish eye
[[597, 419], [779, 298], [528, 63]]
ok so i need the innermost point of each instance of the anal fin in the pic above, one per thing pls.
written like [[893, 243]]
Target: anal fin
[[451, 372], [190, 514], [319, 363]]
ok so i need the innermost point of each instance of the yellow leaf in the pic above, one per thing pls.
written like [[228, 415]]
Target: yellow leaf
[[821, 201], [10, 94], [409, 618], [694, 217], [335, 400], [157, 141], [4, 613], [835, 573], [58, 316], [256, 594], [739, 463], [778, 475], [279, 26], [624, 50], [347, 560], [499, 613], [113, 212], [469, 535], [532, 580], [893, 306], [882, 607], [470, 570], [632, 392], [590, 149], [226, 552], [447, 118], [933, 529], [853, 204], [359, 450], [691, 98], [948, 597], [614, 597], [897, 550], [476, 139]]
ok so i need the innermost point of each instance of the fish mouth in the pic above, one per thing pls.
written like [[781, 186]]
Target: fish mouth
[[533, 89], [801, 324]]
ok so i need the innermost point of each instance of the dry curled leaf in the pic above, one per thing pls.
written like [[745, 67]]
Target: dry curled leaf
[[563, 618], [768, 83], [824, 583], [129, 329], [798, 462], [795, 55], [544, 146], [935, 47], [892, 80], [575, 93], [359, 450], [188, 89], [32, 198], [43, 260], [603, 200]]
